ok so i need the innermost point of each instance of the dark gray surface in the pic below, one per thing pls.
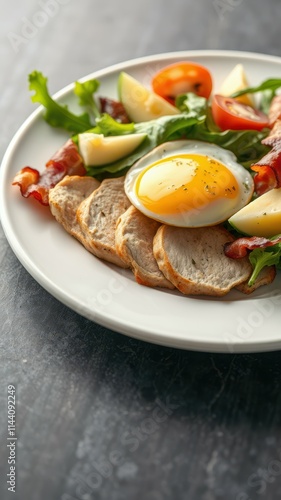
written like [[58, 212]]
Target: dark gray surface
[[101, 416]]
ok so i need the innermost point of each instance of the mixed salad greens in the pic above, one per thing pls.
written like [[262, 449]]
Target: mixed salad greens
[[194, 121]]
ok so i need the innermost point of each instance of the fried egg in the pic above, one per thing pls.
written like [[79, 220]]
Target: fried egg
[[189, 183]]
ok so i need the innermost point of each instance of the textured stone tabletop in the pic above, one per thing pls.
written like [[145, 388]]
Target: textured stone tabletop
[[101, 416]]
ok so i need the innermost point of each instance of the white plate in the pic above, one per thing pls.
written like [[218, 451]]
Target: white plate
[[106, 294]]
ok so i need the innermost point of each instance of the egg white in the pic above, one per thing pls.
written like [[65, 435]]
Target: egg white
[[215, 211]]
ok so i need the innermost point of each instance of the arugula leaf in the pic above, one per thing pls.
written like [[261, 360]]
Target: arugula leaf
[[55, 114], [260, 258], [85, 91], [245, 144], [271, 84], [268, 90]]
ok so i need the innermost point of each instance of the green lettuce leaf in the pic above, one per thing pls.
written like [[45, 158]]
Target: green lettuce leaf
[[106, 125], [85, 92], [262, 257], [55, 114]]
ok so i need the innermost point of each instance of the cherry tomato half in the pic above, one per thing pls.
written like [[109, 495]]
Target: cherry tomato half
[[231, 114], [182, 77]]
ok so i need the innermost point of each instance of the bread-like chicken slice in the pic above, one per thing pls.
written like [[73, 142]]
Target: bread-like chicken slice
[[265, 277], [193, 260], [97, 216], [65, 198], [134, 243]]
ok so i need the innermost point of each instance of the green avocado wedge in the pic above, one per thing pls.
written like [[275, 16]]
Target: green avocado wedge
[[140, 103], [261, 217], [97, 150]]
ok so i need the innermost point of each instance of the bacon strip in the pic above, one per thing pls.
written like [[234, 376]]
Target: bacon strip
[[268, 177], [66, 161], [114, 109], [239, 248], [268, 169]]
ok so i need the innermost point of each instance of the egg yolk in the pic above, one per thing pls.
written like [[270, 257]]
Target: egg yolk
[[184, 182]]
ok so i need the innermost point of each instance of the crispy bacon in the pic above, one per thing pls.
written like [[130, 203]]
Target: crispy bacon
[[268, 169], [268, 177], [66, 161], [114, 109], [239, 248]]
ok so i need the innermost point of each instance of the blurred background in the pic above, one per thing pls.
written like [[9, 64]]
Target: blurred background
[[66, 42]]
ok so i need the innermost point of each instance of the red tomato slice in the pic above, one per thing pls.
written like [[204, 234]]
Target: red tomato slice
[[228, 113], [182, 77]]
